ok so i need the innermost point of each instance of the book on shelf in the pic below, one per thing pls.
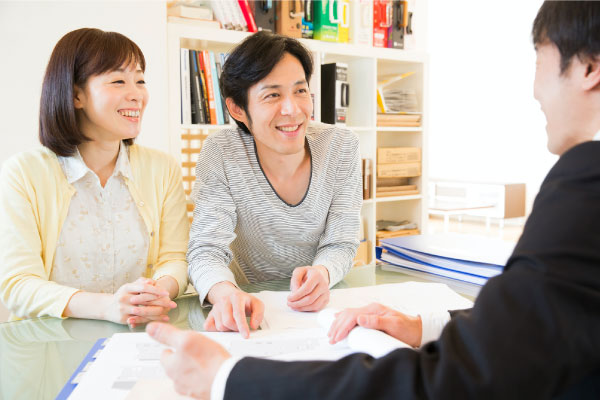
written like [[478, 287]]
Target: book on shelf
[[196, 94], [216, 89], [203, 87], [210, 88], [399, 120], [249, 18], [190, 12], [404, 170], [186, 102], [219, 62], [222, 13], [367, 177]]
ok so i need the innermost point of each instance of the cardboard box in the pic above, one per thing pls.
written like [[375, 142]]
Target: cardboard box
[[363, 254], [398, 170], [395, 155]]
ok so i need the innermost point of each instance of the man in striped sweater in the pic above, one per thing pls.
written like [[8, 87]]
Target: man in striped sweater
[[277, 196]]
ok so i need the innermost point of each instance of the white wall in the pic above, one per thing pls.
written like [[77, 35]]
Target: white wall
[[485, 124], [28, 32]]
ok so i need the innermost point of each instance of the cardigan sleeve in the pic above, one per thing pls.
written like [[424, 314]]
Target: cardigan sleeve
[[25, 288], [174, 230]]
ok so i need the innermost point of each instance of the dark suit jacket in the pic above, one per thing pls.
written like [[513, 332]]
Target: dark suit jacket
[[533, 332]]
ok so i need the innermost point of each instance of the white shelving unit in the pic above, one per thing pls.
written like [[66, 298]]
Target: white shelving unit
[[365, 64]]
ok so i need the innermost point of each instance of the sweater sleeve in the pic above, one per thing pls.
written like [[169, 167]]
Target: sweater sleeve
[[25, 288], [213, 225], [339, 242], [174, 230]]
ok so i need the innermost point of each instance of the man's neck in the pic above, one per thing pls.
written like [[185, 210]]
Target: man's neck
[[281, 166]]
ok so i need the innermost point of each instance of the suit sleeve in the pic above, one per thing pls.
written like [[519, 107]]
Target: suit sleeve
[[513, 342]]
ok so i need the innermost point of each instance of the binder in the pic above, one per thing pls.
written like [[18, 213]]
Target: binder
[[74, 379], [326, 20], [399, 22], [197, 115], [288, 18], [308, 19], [264, 14], [382, 20], [361, 28]]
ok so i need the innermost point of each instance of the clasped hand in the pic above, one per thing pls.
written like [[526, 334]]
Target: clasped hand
[[139, 302]]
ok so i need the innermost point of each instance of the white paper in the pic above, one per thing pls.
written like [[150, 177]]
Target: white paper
[[409, 297]]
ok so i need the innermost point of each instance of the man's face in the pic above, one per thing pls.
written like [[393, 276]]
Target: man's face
[[558, 98], [280, 107]]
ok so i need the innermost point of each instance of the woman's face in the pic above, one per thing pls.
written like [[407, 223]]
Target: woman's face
[[111, 105]]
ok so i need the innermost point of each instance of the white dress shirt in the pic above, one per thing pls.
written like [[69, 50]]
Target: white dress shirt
[[597, 136], [103, 243]]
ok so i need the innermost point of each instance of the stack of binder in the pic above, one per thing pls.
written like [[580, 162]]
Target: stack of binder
[[463, 261]]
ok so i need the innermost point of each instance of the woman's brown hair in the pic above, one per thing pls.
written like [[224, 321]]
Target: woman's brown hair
[[76, 57]]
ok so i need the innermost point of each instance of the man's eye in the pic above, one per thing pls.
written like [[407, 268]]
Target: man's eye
[[303, 91], [119, 81], [142, 82], [271, 95]]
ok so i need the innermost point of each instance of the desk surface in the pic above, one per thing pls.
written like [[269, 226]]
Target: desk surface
[[38, 356]]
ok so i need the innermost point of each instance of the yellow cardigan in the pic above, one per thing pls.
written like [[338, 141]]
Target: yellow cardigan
[[34, 201]]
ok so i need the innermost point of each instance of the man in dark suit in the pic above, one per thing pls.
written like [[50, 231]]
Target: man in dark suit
[[534, 330]]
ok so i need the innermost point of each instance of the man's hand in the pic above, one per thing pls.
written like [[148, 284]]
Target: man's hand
[[403, 327], [193, 362], [230, 308], [309, 288]]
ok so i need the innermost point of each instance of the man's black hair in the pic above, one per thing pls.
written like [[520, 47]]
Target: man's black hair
[[252, 60], [573, 26]]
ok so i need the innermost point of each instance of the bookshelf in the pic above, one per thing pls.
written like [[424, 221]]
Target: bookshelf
[[365, 66]]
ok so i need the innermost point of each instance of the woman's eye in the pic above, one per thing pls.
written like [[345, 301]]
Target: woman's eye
[[142, 82], [119, 81], [303, 91], [271, 95]]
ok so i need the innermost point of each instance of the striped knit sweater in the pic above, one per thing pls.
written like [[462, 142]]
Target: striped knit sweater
[[243, 231]]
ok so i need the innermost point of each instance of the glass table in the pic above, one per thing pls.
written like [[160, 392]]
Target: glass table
[[38, 356]]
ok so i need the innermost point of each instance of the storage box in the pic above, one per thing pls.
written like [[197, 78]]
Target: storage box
[[398, 170], [363, 253], [395, 155]]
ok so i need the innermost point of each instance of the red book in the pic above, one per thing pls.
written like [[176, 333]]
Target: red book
[[245, 7], [210, 88]]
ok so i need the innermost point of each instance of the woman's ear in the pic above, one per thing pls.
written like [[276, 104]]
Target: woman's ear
[[78, 97], [236, 111]]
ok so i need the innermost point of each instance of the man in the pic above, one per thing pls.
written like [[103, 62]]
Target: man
[[533, 332], [276, 197]]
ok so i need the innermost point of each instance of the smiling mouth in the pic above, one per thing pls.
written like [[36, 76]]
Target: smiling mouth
[[288, 128], [129, 113]]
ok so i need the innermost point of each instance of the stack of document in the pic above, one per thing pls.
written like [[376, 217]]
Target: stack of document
[[459, 257]]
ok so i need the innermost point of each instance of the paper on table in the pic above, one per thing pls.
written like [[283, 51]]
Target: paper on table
[[409, 297]]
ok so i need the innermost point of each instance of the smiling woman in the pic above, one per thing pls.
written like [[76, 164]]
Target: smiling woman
[[92, 226]]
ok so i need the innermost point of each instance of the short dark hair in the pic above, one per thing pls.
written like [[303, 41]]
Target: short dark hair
[[252, 60], [77, 56], [573, 26]]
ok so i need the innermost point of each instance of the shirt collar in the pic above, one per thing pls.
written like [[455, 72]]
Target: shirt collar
[[75, 168], [597, 136]]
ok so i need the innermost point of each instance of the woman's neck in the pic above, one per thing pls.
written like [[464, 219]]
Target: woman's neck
[[100, 157]]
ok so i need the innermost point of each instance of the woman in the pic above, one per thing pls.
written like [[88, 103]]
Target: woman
[[91, 225]]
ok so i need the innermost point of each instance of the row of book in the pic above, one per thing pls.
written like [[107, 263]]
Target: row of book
[[379, 23], [201, 99], [466, 261]]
